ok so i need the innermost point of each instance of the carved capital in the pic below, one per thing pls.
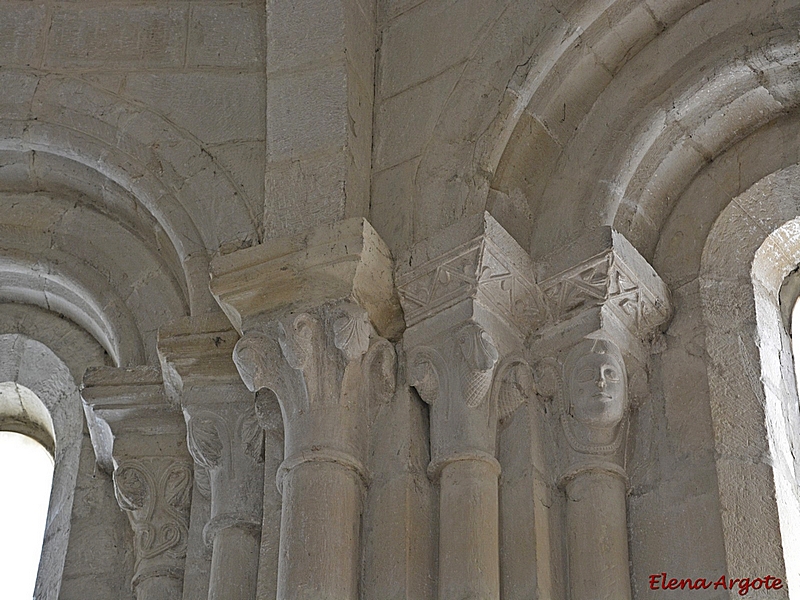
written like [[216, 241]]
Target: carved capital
[[470, 301], [156, 494], [325, 367], [222, 431], [460, 363], [475, 260], [470, 386], [589, 384], [196, 351], [225, 436], [612, 288], [303, 357], [338, 262], [143, 439], [605, 308]]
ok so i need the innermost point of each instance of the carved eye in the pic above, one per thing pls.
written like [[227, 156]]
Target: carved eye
[[587, 375], [610, 374]]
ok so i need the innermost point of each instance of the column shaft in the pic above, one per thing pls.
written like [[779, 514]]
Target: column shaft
[[161, 587], [234, 565], [320, 530], [597, 537], [469, 531]]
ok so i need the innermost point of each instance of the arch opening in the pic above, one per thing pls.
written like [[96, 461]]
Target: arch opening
[[27, 447]]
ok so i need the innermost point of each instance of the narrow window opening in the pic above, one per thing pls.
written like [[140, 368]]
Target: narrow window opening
[[26, 478]]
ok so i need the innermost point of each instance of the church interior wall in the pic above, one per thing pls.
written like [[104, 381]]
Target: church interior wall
[[148, 151]]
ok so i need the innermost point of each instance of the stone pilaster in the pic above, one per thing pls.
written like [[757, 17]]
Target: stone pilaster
[[469, 300], [143, 438], [226, 442], [591, 351], [311, 321]]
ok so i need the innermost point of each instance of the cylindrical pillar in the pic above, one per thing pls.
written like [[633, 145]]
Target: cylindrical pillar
[[597, 536], [159, 587], [469, 565], [234, 564], [320, 528]]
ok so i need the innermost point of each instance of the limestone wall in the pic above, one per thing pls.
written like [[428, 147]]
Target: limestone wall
[[188, 191]]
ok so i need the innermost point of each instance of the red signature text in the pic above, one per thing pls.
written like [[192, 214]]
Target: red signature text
[[660, 581]]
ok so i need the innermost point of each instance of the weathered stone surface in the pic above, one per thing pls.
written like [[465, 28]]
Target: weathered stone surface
[[22, 33], [123, 36], [329, 263], [626, 151], [225, 35]]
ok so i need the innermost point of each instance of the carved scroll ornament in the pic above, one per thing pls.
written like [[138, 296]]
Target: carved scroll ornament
[[156, 494]]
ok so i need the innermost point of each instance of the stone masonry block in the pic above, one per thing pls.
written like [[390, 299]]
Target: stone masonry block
[[304, 192], [429, 39], [215, 107], [21, 33], [16, 92], [404, 123], [86, 36], [226, 35], [307, 111], [303, 31]]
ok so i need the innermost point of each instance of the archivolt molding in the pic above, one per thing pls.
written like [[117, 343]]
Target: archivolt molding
[[54, 282], [170, 175], [750, 372], [32, 364], [658, 126], [554, 83], [70, 342]]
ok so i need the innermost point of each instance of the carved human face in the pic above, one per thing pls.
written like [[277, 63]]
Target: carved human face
[[597, 390]]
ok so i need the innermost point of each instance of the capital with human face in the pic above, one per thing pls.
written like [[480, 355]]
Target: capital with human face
[[597, 385]]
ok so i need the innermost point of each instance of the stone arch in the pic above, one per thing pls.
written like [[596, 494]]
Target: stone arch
[[31, 364], [752, 247], [663, 91], [172, 179]]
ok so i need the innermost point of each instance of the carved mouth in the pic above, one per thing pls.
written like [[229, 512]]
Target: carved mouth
[[602, 397]]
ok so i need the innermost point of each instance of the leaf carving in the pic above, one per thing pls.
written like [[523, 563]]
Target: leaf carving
[[351, 331], [131, 487], [204, 441], [252, 435]]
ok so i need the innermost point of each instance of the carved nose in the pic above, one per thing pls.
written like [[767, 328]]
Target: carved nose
[[601, 381]]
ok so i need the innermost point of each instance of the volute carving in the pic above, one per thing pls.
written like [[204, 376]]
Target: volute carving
[[155, 492], [261, 363], [514, 384], [298, 337], [424, 367], [477, 368], [468, 368], [292, 356]]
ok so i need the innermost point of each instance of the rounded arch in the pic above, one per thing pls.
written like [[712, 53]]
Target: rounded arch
[[31, 364], [752, 390], [634, 109], [531, 77], [171, 178]]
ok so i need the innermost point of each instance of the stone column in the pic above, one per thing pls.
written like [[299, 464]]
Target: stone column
[[591, 350], [469, 300], [139, 435], [226, 442], [310, 321]]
